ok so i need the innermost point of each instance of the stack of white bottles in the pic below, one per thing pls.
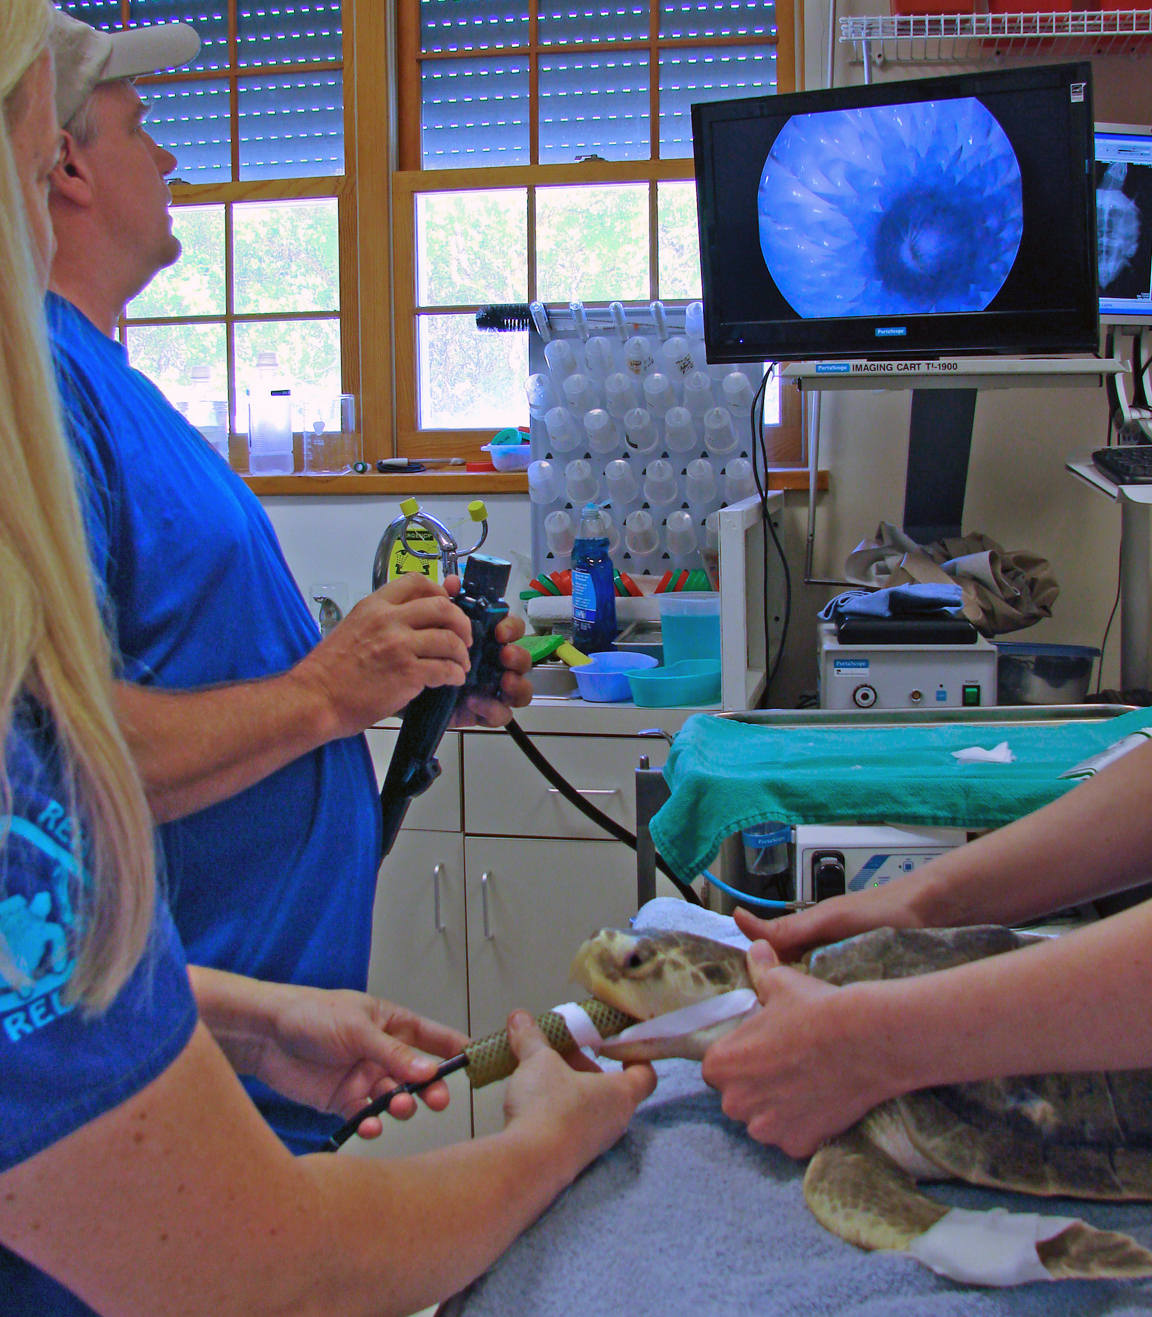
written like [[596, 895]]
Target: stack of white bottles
[[646, 427]]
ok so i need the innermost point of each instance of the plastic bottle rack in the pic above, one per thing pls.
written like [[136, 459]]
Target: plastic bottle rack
[[626, 410]]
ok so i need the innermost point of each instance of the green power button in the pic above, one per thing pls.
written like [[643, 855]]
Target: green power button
[[970, 695]]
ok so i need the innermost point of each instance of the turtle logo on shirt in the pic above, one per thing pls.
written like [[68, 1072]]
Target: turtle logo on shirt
[[31, 945], [36, 923]]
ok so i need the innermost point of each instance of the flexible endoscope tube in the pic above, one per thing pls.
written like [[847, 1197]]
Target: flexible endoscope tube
[[492, 1058], [568, 791]]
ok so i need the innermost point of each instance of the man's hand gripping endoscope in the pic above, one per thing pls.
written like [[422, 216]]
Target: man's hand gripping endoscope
[[414, 767]]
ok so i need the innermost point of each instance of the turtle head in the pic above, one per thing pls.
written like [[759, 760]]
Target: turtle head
[[651, 973]]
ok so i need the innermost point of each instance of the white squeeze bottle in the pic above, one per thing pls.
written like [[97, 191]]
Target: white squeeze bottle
[[269, 421]]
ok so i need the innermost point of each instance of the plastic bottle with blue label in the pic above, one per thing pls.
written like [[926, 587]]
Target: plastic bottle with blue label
[[593, 587]]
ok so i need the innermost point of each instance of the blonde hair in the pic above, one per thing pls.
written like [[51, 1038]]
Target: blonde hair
[[53, 646]]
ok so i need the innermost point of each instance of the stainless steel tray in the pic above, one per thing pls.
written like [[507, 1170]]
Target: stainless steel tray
[[1002, 715]]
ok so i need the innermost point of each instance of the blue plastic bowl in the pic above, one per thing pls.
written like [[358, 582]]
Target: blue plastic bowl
[[604, 679], [689, 682]]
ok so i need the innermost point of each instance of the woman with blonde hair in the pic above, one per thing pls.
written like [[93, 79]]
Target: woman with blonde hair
[[135, 1175]]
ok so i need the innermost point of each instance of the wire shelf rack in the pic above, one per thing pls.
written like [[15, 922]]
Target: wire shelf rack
[[948, 38]]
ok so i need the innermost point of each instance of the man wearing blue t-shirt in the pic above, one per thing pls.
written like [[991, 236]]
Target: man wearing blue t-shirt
[[247, 731]]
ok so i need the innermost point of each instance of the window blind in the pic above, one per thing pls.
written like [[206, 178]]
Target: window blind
[[477, 63], [290, 118]]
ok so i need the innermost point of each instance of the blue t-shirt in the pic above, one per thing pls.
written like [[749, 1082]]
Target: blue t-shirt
[[277, 882], [59, 1068]]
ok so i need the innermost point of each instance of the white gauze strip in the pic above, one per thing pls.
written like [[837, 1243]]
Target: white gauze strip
[[988, 1248], [579, 1024], [675, 1024]]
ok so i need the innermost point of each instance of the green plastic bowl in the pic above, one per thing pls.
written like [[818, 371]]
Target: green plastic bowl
[[691, 681]]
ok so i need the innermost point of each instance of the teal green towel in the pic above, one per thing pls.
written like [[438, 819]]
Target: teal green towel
[[726, 775]]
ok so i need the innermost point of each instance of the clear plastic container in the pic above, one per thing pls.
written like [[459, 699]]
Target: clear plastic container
[[599, 357], [766, 849], [642, 435], [269, 421], [690, 623], [658, 394], [544, 485], [679, 430], [620, 482], [660, 485], [207, 413]]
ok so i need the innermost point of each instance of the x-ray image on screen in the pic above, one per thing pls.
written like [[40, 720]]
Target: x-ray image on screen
[[1124, 228], [891, 210]]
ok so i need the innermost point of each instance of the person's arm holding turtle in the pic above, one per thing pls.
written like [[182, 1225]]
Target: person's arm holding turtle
[[817, 1057]]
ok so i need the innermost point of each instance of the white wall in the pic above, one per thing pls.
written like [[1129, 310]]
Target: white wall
[[334, 539]]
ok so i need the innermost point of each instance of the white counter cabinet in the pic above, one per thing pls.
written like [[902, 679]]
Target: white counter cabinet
[[495, 880]]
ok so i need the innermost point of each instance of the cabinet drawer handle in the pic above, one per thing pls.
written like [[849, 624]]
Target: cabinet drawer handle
[[488, 934], [437, 870], [588, 791]]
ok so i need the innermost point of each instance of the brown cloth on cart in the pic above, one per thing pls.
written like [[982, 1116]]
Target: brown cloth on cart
[[1004, 589]]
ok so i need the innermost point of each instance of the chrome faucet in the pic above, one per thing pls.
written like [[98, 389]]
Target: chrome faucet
[[434, 532]]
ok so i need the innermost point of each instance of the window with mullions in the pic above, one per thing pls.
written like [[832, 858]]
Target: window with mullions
[[256, 123], [585, 111]]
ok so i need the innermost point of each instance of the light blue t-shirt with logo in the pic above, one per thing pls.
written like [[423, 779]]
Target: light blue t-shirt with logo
[[277, 882], [59, 1067]]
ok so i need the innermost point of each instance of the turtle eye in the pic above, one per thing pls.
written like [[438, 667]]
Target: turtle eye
[[636, 960]]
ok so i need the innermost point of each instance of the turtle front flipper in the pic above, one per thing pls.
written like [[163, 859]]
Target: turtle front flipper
[[860, 1194]]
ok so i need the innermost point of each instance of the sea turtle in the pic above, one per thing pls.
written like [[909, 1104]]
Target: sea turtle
[[1075, 1135]]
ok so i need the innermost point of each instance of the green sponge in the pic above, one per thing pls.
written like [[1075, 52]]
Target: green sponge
[[540, 647]]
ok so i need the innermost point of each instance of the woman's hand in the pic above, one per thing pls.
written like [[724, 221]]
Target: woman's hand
[[889, 906], [796, 1073], [332, 1050], [579, 1108]]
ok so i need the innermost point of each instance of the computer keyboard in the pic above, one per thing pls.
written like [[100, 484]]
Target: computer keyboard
[[1128, 465]]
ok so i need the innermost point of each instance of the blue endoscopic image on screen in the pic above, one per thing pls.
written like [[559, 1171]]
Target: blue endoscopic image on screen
[[891, 210]]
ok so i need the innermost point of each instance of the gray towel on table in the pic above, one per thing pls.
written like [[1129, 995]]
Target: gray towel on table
[[688, 1217]]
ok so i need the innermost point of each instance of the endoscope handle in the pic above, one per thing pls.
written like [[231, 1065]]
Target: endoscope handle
[[492, 1058], [413, 766]]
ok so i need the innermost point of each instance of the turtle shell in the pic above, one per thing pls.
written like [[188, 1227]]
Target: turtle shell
[[1086, 1135]]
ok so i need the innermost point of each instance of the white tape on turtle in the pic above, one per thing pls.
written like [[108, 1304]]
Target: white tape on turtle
[[675, 1024], [579, 1024], [988, 1248]]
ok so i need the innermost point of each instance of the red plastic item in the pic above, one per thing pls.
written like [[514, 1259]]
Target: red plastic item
[[663, 583], [630, 585], [564, 581], [478, 466]]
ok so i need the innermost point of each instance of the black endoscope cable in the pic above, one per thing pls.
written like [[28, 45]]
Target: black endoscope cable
[[756, 421], [569, 792]]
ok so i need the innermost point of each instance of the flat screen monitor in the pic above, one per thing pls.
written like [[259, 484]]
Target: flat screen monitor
[[1124, 222], [922, 218]]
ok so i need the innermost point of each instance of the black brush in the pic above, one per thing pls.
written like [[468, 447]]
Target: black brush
[[504, 317]]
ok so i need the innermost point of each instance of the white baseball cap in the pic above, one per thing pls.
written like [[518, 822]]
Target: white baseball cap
[[86, 57]]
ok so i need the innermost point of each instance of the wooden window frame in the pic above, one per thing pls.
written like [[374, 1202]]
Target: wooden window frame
[[410, 181]]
